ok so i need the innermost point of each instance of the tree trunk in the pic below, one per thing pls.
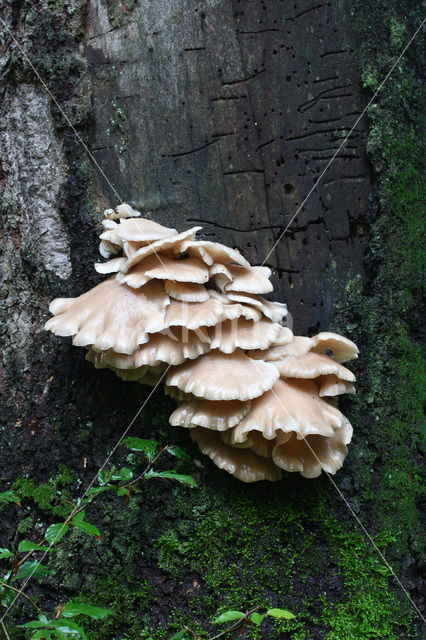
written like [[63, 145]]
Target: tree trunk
[[224, 114]]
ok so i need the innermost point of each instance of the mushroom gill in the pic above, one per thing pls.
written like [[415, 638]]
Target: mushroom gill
[[191, 313]]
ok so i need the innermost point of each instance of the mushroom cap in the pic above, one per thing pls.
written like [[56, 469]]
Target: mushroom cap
[[249, 280], [342, 348], [244, 334], [193, 314], [291, 405], [331, 385], [211, 252], [245, 465], [123, 210], [108, 249], [172, 346], [255, 441], [275, 311], [112, 266], [233, 310], [60, 305], [143, 230], [298, 346], [110, 236], [216, 376], [128, 375], [160, 246], [113, 316], [312, 365], [220, 274], [284, 336], [186, 291], [160, 267], [177, 394], [314, 453], [218, 415]]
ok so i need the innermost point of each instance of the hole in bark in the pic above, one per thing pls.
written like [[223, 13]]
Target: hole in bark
[[288, 188]]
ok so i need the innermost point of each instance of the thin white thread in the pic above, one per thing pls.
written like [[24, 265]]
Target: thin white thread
[[108, 458], [349, 507], [343, 143]]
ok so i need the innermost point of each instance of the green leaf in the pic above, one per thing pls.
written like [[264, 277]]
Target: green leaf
[[280, 613], [256, 618], [79, 516], [228, 616], [124, 473], [69, 628], [55, 532], [35, 624], [78, 608], [176, 451], [33, 569], [180, 635], [104, 476], [9, 496], [172, 475], [123, 491], [88, 528], [5, 553], [148, 447], [27, 545], [94, 491]]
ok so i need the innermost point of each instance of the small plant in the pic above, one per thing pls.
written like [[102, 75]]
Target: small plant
[[26, 559], [241, 621]]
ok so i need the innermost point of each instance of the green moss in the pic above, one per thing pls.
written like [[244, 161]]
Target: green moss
[[49, 497], [369, 608]]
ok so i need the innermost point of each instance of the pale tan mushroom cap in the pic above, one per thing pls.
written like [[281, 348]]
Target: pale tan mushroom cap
[[160, 247], [217, 415], [313, 454], [143, 230], [331, 385], [123, 210], [194, 314], [244, 334], [275, 311], [255, 441], [112, 266], [108, 249], [244, 464], [211, 252], [233, 310], [172, 347], [129, 375], [216, 376], [60, 305], [312, 365], [249, 280], [298, 346], [291, 405], [160, 267], [113, 316], [342, 348], [186, 291]]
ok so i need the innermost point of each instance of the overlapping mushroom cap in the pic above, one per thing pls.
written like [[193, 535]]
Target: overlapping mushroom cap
[[190, 313]]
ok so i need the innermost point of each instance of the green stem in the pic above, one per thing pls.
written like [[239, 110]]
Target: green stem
[[9, 586]]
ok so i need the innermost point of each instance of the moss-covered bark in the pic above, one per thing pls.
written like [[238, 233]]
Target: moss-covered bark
[[175, 556]]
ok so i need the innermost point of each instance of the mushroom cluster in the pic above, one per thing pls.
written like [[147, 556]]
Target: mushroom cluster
[[256, 398]]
